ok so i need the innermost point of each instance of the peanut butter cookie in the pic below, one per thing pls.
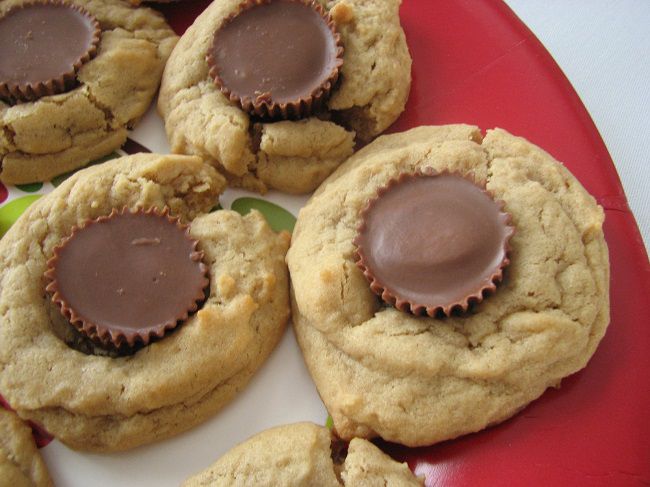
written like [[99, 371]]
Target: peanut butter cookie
[[20, 463], [301, 455], [93, 398], [107, 94], [418, 380], [293, 155]]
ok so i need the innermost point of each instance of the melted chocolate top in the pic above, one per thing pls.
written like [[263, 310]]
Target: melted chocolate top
[[42, 41], [433, 240], [282, 50], [129, 273]]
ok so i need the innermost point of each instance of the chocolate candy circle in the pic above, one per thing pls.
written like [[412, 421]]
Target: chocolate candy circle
[[127, 277], [276, 57], [433, 243], [42, 46]]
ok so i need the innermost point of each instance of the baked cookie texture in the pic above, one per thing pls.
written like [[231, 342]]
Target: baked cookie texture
[[292, 156], [418, 380], [59, 133], [138, 2], [95, 402], [20, 463], [300, 455]]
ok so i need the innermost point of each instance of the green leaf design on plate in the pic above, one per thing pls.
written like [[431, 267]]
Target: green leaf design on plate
[[10, 212], [278, 217], [62, 177], [329, 423], [29, 188]]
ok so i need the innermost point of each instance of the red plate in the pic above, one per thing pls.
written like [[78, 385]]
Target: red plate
[[475, 62]]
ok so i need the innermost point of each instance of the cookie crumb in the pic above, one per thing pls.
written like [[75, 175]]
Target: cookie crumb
[[226, 285], [342, 13], [327, 276]]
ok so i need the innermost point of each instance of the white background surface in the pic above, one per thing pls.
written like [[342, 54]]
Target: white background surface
[[603, 47]]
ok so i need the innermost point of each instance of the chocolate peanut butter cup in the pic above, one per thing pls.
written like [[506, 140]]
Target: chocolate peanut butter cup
[[42, 47], [127, 278], [433, 243], [278, 59]]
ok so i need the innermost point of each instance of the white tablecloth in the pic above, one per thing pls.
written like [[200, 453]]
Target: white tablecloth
[[603, 47]]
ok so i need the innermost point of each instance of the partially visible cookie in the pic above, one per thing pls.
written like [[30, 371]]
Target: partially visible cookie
[[290, 155], [367, 466], [301, 455], [20, 463], [58, 133], [418, 380], [94, 399], [138, 2]]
